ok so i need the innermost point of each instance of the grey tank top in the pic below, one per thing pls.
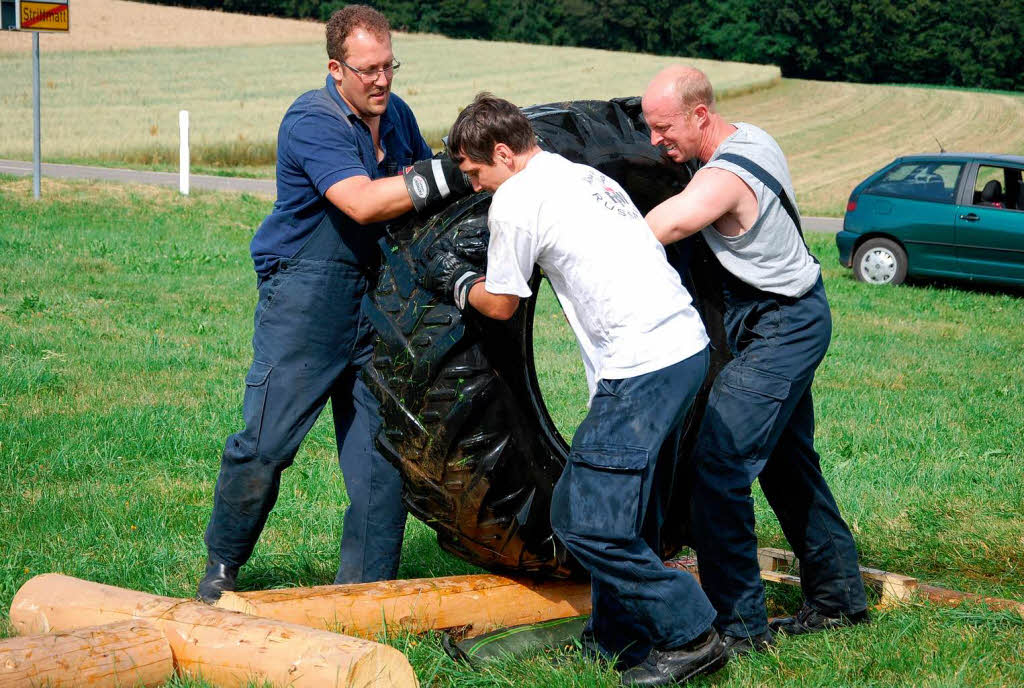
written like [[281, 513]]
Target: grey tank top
[[771, 255]]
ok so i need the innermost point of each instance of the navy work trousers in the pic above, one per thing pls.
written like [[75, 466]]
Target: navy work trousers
[[310, 340], [759, 424], [609, 505]]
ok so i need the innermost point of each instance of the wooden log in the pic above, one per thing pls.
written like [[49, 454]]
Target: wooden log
[[225, 648], [954, 598], [125, 653], [479, 603]]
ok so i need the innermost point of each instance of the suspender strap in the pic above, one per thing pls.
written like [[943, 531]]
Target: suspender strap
[[326, 95], [768, 180]]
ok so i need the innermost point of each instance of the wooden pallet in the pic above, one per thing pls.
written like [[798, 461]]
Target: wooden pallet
[[780, 566]]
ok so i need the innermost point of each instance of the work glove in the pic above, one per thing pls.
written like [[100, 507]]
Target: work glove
[[471, 240], [432, 182], [450, 275]]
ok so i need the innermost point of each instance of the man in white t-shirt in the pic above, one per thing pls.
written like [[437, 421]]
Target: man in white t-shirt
[[648, 349]]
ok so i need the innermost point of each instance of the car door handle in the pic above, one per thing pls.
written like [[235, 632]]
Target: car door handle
[[970, 217]]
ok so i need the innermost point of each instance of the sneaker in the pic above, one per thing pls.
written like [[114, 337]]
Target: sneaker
[[810, 620], [219, 578], [703, 655], [737, 646]]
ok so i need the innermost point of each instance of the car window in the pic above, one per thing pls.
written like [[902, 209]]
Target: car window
[[999, 187], [926, 181]]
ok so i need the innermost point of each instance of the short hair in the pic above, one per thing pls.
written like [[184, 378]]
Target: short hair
[[694, 88], [485, 123], [349, 18]]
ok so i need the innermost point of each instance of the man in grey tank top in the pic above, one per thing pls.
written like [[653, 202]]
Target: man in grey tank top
[[759, 420]]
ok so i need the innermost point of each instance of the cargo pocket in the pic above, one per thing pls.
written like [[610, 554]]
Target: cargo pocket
[[742, 412], [255, 400], [604, 492]]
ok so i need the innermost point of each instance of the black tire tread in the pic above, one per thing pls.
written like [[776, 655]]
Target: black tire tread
[[462, 417]]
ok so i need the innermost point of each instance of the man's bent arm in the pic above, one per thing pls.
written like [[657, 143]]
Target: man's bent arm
[[368, 200], [710, 194], [497, 306]]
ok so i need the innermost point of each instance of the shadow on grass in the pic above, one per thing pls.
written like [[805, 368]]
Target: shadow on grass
[[969, 286]]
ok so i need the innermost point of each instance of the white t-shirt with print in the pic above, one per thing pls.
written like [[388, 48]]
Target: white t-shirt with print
[[625, 303]]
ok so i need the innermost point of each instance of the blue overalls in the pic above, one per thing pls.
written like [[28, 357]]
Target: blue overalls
[[310, 340], [759, 424], [611, 501]]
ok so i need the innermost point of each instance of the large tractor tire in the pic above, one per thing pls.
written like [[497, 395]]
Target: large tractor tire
[[463, 416]]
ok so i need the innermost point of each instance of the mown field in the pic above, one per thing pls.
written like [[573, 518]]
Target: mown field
[[106, 25], [120, 107], [125, 318], [123, 105], [835, 134]]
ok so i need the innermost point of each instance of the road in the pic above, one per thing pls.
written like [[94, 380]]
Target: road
[[205, 182], [264, 187]]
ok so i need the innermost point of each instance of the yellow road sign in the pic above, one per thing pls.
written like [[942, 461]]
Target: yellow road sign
[[43, 16]]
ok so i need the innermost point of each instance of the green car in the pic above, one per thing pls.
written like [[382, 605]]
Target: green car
[[948, 215]]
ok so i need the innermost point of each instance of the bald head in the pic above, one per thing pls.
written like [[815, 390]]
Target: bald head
[[679, 89], [679, 107]]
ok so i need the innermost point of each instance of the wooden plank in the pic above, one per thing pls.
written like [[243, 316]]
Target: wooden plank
[[773, 559], [779, 577], [895, 588]]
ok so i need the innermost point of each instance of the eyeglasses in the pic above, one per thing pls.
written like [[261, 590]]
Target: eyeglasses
[[371, 74]]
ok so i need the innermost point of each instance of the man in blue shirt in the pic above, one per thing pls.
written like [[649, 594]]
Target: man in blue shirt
[[349, 157]]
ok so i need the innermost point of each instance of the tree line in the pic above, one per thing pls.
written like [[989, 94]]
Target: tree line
[[941, 42]]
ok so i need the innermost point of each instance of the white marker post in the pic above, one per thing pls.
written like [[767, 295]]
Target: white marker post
[[183, 163]]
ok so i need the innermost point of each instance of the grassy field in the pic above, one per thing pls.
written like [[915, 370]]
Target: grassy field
[[125, 318]]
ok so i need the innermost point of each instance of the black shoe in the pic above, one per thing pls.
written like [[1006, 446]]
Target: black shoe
[[737, 646], [703, 655], [810, 620], [219, 578]]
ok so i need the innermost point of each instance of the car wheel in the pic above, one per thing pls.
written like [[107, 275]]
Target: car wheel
[[463, 417], [880, 261]]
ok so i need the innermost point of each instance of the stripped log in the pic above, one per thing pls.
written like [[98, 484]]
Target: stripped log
[[479, 603], [483, 603], [225, 648], [125, 653], [954, 598]]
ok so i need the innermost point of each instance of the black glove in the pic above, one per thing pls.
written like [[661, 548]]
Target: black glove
[[471, 240], [450, 275], [434, 181]]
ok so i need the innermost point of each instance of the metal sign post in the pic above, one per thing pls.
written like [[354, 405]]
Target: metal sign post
[[28, 15], [37, 148]]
